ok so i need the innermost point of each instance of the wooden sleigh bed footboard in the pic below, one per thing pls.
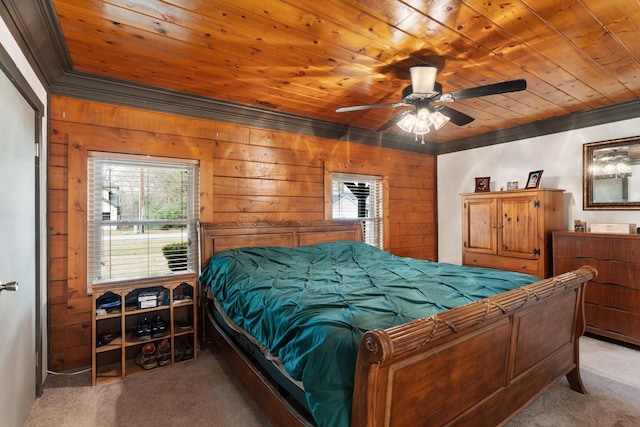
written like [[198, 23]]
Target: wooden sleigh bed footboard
[[478, 364]]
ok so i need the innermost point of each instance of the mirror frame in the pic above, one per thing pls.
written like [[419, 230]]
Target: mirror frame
[[587, 186]]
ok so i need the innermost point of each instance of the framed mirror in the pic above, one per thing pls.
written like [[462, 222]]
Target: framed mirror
[[611, 174]]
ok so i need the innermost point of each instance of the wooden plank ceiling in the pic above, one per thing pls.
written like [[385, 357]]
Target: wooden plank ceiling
[[309, 57]]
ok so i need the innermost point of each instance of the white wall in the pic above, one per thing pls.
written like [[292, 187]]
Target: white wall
[[559, 155]]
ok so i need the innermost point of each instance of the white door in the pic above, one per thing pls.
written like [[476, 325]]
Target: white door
[[17, 255]]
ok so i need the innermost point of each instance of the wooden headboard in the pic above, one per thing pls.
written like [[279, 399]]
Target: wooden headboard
[[216, 237]]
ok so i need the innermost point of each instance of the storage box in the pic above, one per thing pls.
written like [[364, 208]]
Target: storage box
[[147, 300], [152, 303], [614, 228]]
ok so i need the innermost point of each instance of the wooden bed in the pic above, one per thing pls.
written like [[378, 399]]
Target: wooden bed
[[478, 364]]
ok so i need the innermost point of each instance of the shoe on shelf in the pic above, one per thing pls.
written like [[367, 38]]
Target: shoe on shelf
[[163, 353], [144, 330], [181, 298], [182, 325], [106, 337], [158, 327], [188, 351], [147, 358], [184, 350], [178, 352]]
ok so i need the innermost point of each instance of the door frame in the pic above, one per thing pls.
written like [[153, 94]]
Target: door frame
[[10, 69]]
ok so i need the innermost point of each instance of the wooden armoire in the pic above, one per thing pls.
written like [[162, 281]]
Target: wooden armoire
[[511, 230]]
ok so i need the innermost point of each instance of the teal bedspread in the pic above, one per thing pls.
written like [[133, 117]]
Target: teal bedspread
[[310, 306]]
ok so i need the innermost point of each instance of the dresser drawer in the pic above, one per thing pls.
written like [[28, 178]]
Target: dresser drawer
[[612, 320], [609, 272], [618, 297], [586, 245], [527, 266]]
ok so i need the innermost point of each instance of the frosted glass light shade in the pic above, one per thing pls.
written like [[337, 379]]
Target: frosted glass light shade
[[423, 79], [439, 120], [423, 121], [407, 122], [420, 121]]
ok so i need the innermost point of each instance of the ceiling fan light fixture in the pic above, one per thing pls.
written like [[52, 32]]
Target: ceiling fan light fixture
[[423, 121], [423, 79], [439, 119], [421, 128], [407, 122], [420, 121]]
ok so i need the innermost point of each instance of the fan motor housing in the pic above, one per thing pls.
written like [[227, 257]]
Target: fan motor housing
[[409, 97]]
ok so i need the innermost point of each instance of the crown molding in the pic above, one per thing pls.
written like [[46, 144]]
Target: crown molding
[[35, 28], [593, 117]]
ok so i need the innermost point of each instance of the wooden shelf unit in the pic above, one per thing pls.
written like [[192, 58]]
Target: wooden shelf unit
[[612, 300], [511, 230], [117, 359]]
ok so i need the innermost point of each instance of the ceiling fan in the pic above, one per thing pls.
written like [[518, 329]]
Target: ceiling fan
[[423, 91]]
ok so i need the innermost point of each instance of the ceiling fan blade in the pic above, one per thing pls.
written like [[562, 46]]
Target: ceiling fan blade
[[455, 116], [368, 107], [492, 89]]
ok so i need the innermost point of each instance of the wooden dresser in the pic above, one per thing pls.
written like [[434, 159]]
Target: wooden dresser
[[612, 301], [511, 230]]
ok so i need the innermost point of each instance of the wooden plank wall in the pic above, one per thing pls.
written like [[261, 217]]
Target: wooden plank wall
[[246, 175]]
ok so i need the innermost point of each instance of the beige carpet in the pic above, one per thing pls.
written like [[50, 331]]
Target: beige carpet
[[199, 393], [205, 393], [611, 374]]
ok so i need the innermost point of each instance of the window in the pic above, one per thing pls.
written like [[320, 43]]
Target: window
[[359, 196], [142, 217]]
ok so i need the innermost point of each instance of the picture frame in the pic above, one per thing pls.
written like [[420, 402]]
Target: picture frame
[[534, 179], [483, 184]]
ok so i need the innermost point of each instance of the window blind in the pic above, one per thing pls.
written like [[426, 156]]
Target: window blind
[[142, 214], [360, 196]]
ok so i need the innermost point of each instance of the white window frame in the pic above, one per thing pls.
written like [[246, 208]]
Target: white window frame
[[97, 222]]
